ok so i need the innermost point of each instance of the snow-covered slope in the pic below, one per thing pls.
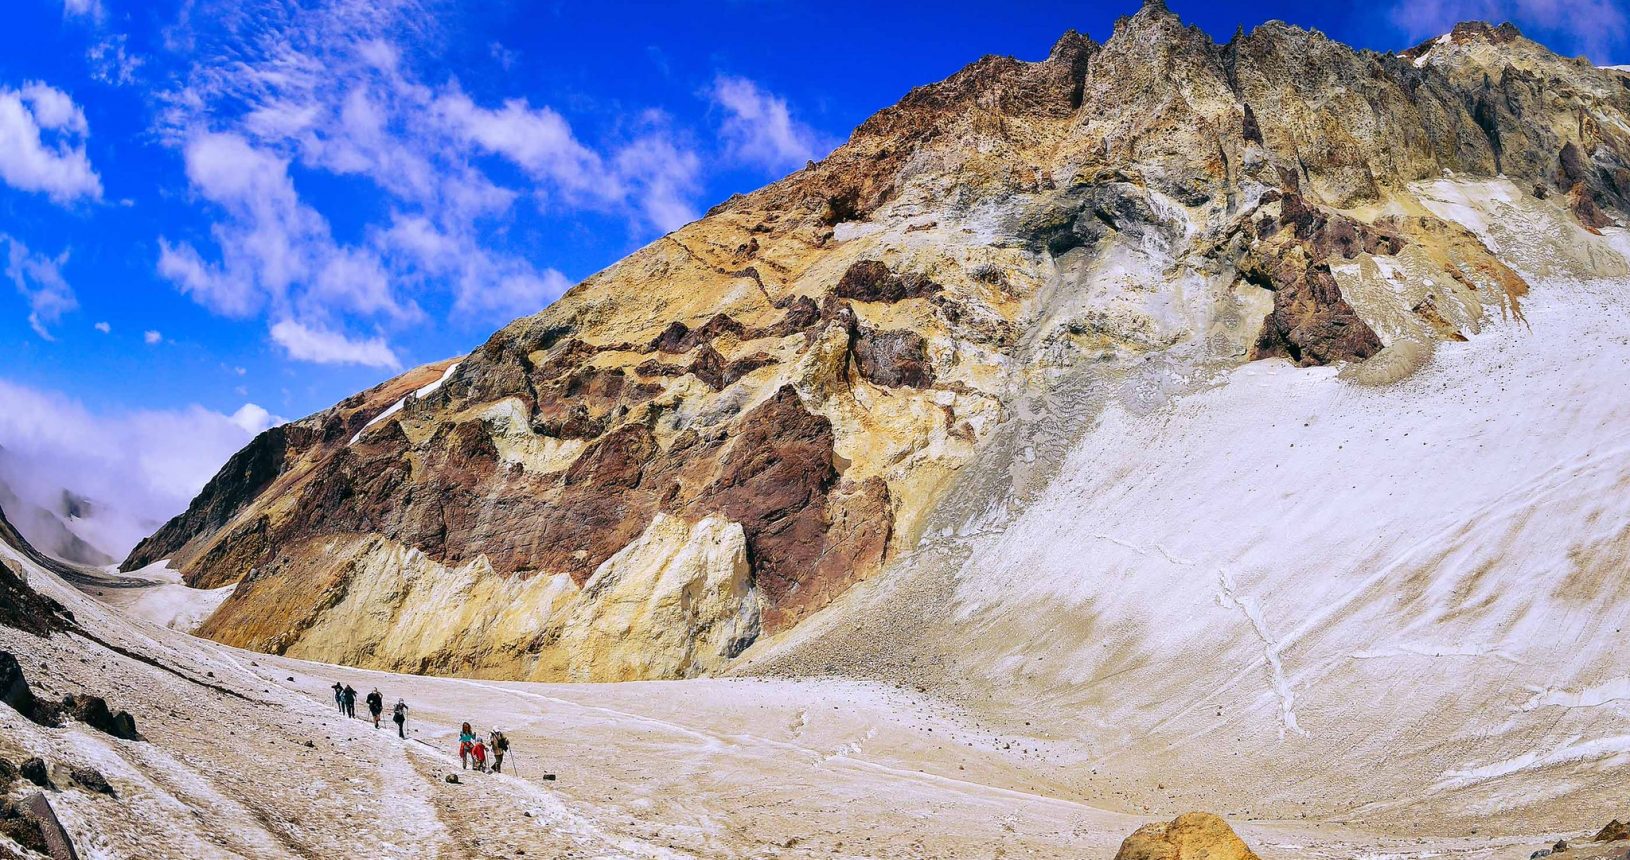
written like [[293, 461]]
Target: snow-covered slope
[[1274, 586], [245, 757]]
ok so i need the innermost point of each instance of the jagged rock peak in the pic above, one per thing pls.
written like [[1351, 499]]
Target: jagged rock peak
[[1468, 32], [1070, 46], [1153, 15]]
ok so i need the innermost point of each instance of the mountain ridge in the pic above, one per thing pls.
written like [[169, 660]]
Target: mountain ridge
[[809, 369]]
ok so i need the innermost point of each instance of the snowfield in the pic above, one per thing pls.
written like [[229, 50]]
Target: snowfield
[[246, 757]]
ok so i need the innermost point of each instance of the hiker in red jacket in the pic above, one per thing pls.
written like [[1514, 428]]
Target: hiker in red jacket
[[466, 744]]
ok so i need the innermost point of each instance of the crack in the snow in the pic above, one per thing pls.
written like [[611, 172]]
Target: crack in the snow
[[1270, 648]]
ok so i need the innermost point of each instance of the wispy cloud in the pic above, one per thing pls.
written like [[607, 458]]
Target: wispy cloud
[[327, 347], [42, 144], [759, 128], [278, 86], [39, 279], [83, 9], [1597, 28], [111, 62]]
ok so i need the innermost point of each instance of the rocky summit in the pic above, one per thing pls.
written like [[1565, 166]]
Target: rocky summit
[[695, 451]]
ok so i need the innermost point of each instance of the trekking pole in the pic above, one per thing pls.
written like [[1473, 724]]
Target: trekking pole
[[512, 765]]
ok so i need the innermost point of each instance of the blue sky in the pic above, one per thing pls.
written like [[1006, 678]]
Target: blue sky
[[224, 213]]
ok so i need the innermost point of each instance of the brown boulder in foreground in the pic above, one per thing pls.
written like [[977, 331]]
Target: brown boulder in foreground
[[1190, 836]]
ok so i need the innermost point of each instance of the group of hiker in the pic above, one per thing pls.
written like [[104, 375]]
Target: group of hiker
[[345, 697], [473, 750]]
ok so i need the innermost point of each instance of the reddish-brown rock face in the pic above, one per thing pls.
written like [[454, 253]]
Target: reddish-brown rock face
[[871, 281], [1311, 323]]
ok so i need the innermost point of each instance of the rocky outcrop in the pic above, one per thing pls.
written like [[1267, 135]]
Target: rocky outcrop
[[813, 365], [21, 607], [871, 281], [1191, 836], [1311, 323]]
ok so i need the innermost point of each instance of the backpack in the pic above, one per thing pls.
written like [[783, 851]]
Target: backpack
[[501, 743]]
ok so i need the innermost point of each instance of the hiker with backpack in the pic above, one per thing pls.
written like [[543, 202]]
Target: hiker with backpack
[[478, 754], [339, 697], [499, 744], [399, 714], [466, 744], [376, 705], [348, 701]]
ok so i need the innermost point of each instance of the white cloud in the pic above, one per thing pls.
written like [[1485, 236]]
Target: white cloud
[[653, 175], [325, 88], [759, 129], [664, 177], [138, 468], [305, 343], [275, 251], [539, 140], [104, 328], [39, 279], [151, 337], [111, 61], [252, 418], [82, 9], [42, 144], [1595, 27]]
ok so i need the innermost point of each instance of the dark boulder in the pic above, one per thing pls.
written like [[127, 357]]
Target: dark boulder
[[34, 771], [20, 827], [93, 711], [14, 691], [91, 779]]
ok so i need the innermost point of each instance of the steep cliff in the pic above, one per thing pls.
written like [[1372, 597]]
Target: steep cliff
[[699, 447]]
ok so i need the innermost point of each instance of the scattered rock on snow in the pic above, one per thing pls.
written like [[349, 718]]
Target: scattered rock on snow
[[1193, 834], [91, 779], [452, 778], [93, 711]]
